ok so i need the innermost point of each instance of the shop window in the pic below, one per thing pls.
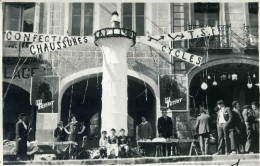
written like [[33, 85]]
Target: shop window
[[134, 17], [19, 17], [253, 13], [82, 19], [206, 14]]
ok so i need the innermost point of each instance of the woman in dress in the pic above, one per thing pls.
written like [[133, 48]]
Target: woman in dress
[[74, 129]]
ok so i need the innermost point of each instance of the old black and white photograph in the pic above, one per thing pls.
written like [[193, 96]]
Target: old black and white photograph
[[120, 82]]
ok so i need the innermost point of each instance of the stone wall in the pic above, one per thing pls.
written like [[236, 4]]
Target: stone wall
[[160, 18]]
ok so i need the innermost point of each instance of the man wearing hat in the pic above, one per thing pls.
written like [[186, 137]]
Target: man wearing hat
[[224, 119], [21, 131], [203, 129], [235, 127], [249, 120], [59, 133]]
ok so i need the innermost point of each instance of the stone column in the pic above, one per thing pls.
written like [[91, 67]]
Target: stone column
[[114, 43]]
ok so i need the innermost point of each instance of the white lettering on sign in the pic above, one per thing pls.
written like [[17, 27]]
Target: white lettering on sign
[[169, 103], [191, 58], [37, 38], [190, 34], [41, 105], [41, 48]]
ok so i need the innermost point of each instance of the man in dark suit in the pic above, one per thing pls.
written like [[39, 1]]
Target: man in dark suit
[[235, 127], [165, 127], [21, 131], [59, 133], [249, 120], [203, 129], [224, 119]]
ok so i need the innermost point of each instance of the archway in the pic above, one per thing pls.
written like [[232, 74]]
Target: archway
[[226, 89], [16, 101], [86, 105]]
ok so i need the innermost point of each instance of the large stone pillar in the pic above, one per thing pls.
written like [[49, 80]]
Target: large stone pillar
[[114, 43]]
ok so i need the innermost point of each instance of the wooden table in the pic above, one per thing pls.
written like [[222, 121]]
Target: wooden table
[[159, 146], [171, 142]]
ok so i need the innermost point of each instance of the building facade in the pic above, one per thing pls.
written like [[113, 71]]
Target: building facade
[[79, 68]]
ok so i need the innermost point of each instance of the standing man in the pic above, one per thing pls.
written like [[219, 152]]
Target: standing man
[[249, 119], [203, 129], [165, 127], [256, 114], [21, 131], [234, 131], [223, 123], [59, 133]]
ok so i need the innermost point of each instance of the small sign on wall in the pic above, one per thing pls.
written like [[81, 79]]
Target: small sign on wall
[[44, 93], [173, 91]]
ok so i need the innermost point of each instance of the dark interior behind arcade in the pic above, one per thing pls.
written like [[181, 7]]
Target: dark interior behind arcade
[[226, 89], [84, 101], [17, 101]]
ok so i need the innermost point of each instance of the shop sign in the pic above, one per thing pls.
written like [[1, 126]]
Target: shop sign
[[38, 38], [44, 93], [25, 72], [177, 53], [173, 91], [191, 58], [40, 48], [190, 34], [170, 102], [40, 105], [42, 43]]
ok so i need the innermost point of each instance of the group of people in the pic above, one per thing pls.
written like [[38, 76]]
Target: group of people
[[74, 131], [117, 143], [237, 130]]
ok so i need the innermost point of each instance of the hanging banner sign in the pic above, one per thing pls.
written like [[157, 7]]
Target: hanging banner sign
[[38, 38], [40, 48], [190, 58], [44, 93], [190, 34], [173, 91]]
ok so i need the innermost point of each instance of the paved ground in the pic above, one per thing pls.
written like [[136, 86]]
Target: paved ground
[[246, 159]]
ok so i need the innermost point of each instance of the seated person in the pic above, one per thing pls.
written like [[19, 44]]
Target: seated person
[[123, 141], [112, 143], [103, 144], [59, 133]]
